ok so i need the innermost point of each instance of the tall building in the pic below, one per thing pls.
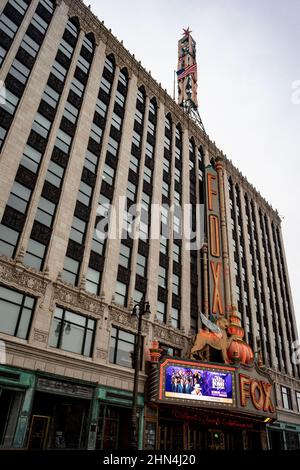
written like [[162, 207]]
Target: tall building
[[90, 141]]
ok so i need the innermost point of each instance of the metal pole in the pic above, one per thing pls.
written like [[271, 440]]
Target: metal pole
[[137, 364]]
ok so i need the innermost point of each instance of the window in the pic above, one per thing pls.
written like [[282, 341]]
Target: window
[[163, 245], [177, 133], [175, 284], [19, 71], [85, 193], [109, 65], [167, 123], [116, 121], [175, 318], [141, 264], [165, 189], [286, 398], [136, 139], [162, 276], [124, 258], [134, 164], [176, 253], [31, 159], [8, 241], [121, 293], [54, 174], [161, 311], [149, 150], [35, 253], [50, 96], [30, 46], [66, 48], [87, 43], [151, 128], [140, 97], [16, 311], [70, 112], [177, 175], [77, 87], [121, 347], [8, 26], [45, 212], [120, 99], [97, 243], [91, 161], [298, 400], [83, 64], [59, 71], [147, 175], [123, 79], [39, 23], [166, 165], [137, 295], [108, 174], [131, 191], [78, 230], [152, 108], [138, 116], [63, 141], [70, 271], [112, 146], [19, 197], [167, 143], [101, 108], [72, 332], [96, 133], [92, 281], [169, 350]]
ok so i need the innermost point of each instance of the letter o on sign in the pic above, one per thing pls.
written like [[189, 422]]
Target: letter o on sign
[[257, 395]]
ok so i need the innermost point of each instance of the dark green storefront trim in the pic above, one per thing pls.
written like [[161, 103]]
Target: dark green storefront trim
[[26, 381], [19, 379]]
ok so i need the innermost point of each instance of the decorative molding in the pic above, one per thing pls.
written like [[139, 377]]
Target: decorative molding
[[77, 299], [40, 336], [29, 280], [169, 335], [101, 354], [123, 318]]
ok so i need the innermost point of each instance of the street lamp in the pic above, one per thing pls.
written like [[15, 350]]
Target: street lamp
[[140, 309]]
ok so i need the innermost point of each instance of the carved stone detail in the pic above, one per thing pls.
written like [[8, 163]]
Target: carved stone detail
[[26, 279], [101, 354], [122, 318], [40, 336], [77, 299], [169, 335]]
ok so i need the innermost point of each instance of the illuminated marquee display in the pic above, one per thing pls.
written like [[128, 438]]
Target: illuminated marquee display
[[189, 382]]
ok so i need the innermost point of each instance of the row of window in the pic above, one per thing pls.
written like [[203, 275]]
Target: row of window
[[70, 331]]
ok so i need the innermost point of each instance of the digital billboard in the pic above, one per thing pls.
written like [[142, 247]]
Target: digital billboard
[[200, 384]]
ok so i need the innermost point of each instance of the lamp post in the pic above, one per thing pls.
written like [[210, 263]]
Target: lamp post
[[140, 309]]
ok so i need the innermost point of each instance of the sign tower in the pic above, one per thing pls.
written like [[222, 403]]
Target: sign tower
[[187, 77]]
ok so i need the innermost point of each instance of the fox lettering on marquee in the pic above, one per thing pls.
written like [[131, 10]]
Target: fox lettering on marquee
[[258, 391], [214, 244]]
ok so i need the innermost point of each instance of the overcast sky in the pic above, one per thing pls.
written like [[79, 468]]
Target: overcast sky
[[248, 60]]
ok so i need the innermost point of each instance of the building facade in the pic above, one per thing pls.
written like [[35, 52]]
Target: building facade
[[86, 134]]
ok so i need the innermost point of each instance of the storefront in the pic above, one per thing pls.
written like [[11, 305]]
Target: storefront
[[16, 393], [284, 436], [113, 429], [61, 414], [201, 406]]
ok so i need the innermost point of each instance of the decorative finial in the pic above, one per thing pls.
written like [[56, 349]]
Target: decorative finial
[[186, 32]]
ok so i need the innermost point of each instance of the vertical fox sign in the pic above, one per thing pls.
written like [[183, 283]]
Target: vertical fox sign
[[215, 261]]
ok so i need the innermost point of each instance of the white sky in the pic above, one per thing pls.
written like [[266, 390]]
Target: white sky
[[248, 58]]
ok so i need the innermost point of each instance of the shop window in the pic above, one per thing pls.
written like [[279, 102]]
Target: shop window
[[121, 347], [16, 311], [72, 332]]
